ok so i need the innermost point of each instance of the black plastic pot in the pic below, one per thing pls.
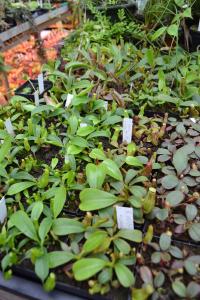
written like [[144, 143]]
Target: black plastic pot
[[111, 11], [30, 84], [115, 294]]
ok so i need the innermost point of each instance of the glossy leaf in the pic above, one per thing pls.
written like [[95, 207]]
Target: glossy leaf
[[87, 267], [95, 175], [112, 169], [131, 235], [19, 187], [124, 275], [64, 226], [58, 258]]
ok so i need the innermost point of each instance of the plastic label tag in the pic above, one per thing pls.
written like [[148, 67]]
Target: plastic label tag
[[41, 83], [36, 97], [106, 105], [127, 130], [125, 217], [3, 210], [9, 127], [199, 26], [69, 100], [83, 125]]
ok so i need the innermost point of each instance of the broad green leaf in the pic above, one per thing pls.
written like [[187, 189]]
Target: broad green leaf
[[180, 158], [5, 148], [124, 275], [87, 267], [97, 154], [191, 212], [169, 182], [112, 169], [194, 232], [122, 246], [133, 161], [131, 235], [165, 241], [158, 33], [150, 56], [64, 226], [37, 210], [175, 197], [179, 288], [58, 258], [44, 228], [19, 187], [59, 200], [42, 267], [93, 199], [173, 30], [84, 131], [95, 175], [94, 241], [24, 224]]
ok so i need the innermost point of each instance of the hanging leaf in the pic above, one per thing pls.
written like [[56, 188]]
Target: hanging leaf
[[93, 199], [24, 224], [112, 169], [59, 200], [173, 30], [124, 275], [158, 33], [95, 175], [87, 267]]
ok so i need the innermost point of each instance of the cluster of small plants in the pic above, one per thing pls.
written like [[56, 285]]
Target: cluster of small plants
[[67, 166]]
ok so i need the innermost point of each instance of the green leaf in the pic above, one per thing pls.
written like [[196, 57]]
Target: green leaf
[[24, 224], [59, 201], [179, 288], [173, 30], [122, 246], [131, 235], [165, 241], [175, 197], [5, 148], [191, 212], [58, 258], [37, 210], [19, 187], [93, 199], [112, 169], [180, 158], [95, 175], [194, 232], [97, 154], [94, 241], [44, 228], [87, 267], [180, 3], [158, 33], [133, 161], [124, 275], [42, 267], [169, 182], [150, 56], [64, 226], [84, 131]]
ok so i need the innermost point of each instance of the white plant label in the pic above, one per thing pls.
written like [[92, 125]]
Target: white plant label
[[199, 26], [41, 83], [193, 120], [3, 210], [125, 217], [9, 127], [127, 130], [106, 105], [83, 125], [36, 97], [69, 100]]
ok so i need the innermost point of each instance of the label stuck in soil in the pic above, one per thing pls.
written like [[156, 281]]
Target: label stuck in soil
[[9, 127], [83, 125], [193, 120], [69, 100], [125, 217], [106, 105], [36, 98], [41, 83], [127, 130], [3, 210], [199, 26]]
